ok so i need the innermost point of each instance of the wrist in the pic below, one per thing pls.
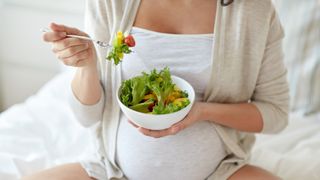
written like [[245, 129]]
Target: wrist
[[87, 74], [90, 68], [207, 111], [202, 109]]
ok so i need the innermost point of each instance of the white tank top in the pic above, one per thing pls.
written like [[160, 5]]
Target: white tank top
[[193, 153]]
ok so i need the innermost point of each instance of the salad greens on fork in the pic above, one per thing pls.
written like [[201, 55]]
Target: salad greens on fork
[[121, 45]]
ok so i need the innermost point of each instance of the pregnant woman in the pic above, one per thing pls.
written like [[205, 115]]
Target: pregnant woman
[[230, 52]]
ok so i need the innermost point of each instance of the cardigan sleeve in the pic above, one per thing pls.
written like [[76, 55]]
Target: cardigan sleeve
[[87, 115], [271, 95], [97, 28]]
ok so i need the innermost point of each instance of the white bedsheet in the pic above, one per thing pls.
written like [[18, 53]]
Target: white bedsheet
[[293, 154], [42, 132]]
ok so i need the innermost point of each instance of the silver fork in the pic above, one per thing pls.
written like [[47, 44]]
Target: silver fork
[[99, 43]]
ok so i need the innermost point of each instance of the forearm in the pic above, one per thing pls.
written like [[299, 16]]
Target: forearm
[[243, 117], [86, 85]]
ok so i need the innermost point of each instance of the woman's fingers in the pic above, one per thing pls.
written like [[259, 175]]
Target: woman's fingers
[[68, 52], [186, 122], [158, 133], [68, 30], [53, 36], [66, 43], [174, 129], [60, 31], [133, 124], [73, 60], [152, 133]]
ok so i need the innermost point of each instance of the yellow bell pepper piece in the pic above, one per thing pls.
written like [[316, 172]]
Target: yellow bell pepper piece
[[120, 37], [149, 96], [179, 101]]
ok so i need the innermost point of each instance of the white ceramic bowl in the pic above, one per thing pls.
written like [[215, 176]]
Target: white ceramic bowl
[[160, 121]]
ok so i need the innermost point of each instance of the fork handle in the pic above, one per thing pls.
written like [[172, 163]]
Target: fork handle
[[72, 36], [81, 37]]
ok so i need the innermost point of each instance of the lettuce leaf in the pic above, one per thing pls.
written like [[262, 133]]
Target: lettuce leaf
[[125, 92], [171, 107], [133, 90], [160, 84], [139, 89], [143, 107]]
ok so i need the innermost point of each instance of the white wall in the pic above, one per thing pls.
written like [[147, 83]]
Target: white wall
[[26, 62]]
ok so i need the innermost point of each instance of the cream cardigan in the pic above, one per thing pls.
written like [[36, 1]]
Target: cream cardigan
[[247, 67]]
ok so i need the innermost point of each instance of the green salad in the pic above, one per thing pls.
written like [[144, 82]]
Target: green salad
[[153, 93]]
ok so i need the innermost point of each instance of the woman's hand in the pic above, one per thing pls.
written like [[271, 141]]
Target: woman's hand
[[71, 51], [194, 115]]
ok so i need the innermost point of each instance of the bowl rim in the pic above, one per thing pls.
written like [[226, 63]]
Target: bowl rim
[[159, 115]]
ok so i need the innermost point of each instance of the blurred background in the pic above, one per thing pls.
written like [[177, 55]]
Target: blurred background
[[26, 62], [301, 22], [38, 129]]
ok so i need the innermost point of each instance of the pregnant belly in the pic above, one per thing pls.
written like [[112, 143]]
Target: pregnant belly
[[192, 154]]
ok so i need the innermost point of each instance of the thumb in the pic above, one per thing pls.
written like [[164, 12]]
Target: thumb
[[182, 124], [66, 29]]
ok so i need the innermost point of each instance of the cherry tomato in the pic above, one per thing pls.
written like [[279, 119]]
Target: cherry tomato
[[129, 40]]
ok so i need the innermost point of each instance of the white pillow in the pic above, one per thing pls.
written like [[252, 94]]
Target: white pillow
[[301, 22]]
